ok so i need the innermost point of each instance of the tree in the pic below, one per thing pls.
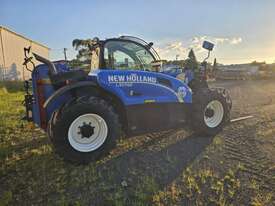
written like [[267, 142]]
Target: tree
[[83, 58], [191, 62], [82, 46], [255, 63], [215, 67]]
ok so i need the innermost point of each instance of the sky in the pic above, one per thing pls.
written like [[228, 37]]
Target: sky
[[243, 31]]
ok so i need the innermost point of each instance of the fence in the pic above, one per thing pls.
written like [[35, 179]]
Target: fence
[[9, 73]]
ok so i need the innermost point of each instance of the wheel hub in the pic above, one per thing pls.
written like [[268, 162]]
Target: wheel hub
[[209, 112], [213, 114], [86, 130]]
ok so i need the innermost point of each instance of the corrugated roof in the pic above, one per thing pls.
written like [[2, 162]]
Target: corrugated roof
[[9, 30]]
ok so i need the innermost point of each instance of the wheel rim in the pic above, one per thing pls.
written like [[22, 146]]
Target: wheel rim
[[87, 132], [213, 113]]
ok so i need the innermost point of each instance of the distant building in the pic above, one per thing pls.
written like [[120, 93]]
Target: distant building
[[12, 54], [237, 71]]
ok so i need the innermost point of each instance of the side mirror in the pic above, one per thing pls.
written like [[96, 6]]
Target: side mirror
[[208, 45], [149, 45]]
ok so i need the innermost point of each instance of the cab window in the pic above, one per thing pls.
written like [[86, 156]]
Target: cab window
[[126, 55]]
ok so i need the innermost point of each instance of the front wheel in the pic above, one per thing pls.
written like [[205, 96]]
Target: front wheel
[[210, 111], [85, 130]]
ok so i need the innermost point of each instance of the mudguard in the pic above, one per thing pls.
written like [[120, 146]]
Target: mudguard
[[67, 88]]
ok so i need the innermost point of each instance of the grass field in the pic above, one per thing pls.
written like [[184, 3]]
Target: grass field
[[236, 167]]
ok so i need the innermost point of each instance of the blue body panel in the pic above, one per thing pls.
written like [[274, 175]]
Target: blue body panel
[[138, 87], [132, 87], [40, 74]]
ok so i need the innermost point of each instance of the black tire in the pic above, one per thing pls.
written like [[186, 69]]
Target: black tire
[[201, 98], [54, 116], [61, 121], [51, 122]]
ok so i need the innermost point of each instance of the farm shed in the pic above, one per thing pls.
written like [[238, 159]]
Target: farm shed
[[12, 54]]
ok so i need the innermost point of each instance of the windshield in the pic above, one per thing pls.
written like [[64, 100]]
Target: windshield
[[127, 55]]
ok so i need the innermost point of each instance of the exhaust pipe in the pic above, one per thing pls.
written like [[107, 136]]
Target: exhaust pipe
[[52, 68]]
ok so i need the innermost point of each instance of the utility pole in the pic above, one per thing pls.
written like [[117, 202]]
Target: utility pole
[[65, 53]]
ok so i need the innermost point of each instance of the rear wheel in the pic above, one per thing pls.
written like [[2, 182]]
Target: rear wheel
[[210, 111], [85, 130]]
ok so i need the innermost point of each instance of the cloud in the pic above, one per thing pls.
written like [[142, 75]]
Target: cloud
[[237, 40], [170, 50], [181, 48], [197, 41]]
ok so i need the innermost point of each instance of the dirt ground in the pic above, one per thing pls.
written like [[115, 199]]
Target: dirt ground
[[236, 167]]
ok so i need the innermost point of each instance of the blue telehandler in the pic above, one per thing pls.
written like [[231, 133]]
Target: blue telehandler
[[124, 94]]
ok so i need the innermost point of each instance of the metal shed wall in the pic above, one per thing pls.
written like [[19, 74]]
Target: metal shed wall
[[12, 54]]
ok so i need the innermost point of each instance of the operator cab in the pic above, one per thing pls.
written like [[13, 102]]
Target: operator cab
[[123, 53]]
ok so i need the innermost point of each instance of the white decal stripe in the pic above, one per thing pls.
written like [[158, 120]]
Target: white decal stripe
[[157, 85]]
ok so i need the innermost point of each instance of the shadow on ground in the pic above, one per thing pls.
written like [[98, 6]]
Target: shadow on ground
[[164, 165]]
